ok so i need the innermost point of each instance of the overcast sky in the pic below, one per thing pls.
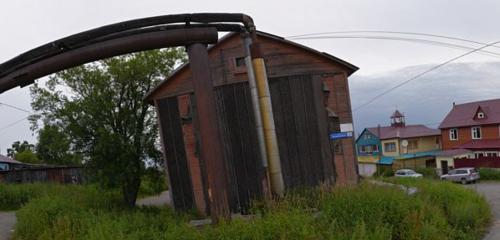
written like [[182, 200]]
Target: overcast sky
[[27, 24]]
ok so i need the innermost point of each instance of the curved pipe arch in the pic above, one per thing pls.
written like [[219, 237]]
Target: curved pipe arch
[[27, 67]]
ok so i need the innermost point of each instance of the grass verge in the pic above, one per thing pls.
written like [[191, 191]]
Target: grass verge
[[489, 174], [440, 210]]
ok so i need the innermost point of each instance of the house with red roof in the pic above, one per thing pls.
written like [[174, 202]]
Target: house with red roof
[[472, 127], [397, 146]]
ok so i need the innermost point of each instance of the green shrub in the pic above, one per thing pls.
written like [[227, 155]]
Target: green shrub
[[14, 196], [489, 174], [153, 182], [428, 172], [384, 172]]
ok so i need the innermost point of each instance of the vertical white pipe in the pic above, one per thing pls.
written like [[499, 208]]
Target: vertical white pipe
[[255, 100]]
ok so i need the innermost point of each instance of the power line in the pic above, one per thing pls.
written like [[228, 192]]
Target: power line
[[393, 32], [416, 40], [421, 74], [13, 123], [14, 107]]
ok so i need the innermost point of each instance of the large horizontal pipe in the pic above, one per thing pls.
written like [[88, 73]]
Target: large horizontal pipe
[[83, 38], [133, 43]]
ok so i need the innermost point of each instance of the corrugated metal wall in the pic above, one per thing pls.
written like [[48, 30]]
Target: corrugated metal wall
[[302, 129], [175, 153], [241, 147]]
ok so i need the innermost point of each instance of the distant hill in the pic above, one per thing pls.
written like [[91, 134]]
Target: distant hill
[[426, 100]]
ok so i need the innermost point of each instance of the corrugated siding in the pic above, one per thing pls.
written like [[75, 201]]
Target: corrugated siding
[[175, 153], [241, 148], [302, 129]]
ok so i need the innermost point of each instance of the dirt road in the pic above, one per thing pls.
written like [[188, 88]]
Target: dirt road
[[491, 190], [161, 200], [7, 222]]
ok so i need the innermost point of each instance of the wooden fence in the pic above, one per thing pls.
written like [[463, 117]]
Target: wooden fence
[[488, 162], [67, 175]]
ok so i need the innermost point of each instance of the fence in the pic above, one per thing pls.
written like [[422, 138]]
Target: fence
[[67, 175], [488, 162]]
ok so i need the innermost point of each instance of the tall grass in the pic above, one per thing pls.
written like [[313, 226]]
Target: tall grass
[[489, 174], [437, 211], [14, 196]]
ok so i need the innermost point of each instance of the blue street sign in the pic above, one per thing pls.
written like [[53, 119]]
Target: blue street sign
[[339, 135]]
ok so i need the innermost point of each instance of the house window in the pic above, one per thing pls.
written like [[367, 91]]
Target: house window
[[369, 148], [453, 134], [492, 154], [480, 115], [478, 155], [239, 62], [390, 147], [4, 166], [476, 132]]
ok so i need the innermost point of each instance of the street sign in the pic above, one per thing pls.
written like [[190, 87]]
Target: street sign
[[340, 135]]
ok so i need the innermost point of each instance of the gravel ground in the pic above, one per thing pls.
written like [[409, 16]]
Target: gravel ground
[[491, 190], [160, 200], [7, 222]]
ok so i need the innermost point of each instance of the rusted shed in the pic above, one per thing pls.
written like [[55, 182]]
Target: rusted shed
[[310, 98]]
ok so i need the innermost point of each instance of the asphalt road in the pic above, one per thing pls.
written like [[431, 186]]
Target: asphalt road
[[7, 222], [491, 190]]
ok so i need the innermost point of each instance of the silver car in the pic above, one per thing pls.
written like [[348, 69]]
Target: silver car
[[462, 175], [407, 173]]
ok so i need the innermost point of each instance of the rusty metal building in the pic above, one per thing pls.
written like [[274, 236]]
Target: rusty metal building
[[310, 99]]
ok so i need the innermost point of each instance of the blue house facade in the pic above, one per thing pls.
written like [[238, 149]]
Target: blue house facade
[[369, 152], [397, 146]]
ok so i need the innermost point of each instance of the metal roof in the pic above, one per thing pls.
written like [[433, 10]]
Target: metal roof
[[464, 115], [452, 152], [481, 144], [386, 160], [408, 131], [6, 159], [397, 114], [417, 154], [352, 68]]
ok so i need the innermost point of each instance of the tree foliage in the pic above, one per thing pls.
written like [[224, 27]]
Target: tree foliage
[[23, 152], [19, 146], [54, 147], [99, 107]]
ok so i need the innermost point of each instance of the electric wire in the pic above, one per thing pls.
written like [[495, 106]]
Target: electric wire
[[392, 32], [13, 123], [14, 107], [415, 40], [421, 74]]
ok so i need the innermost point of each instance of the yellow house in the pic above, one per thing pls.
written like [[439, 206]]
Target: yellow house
[[404, 146], [445, 159]]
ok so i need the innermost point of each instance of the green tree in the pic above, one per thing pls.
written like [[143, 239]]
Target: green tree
[[54, 147], [100, 107], [27, 156], [23, 152]]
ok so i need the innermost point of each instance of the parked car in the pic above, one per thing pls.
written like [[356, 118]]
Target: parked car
[[462, 175], [407, 173]]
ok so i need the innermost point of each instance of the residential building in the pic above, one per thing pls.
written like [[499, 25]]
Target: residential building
[[473, 127], [7, 163], [397, 146], [310, 99]]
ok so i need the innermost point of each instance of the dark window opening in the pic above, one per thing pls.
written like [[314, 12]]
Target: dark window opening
[[239, 62]]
